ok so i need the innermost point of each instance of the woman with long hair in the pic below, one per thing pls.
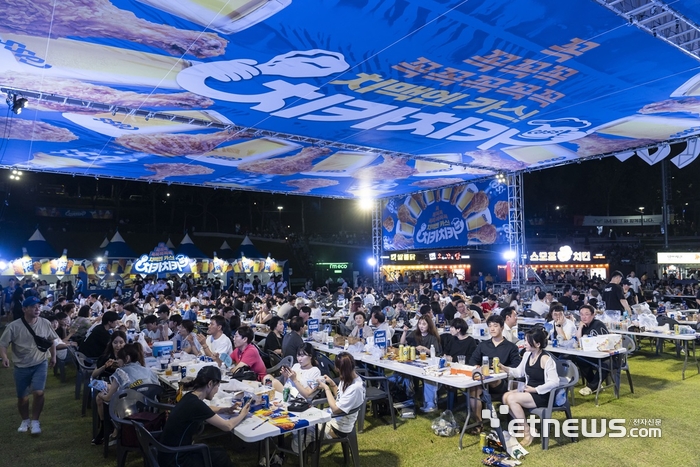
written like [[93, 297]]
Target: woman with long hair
[[541, 377], [273, 341], [187, 417], [424, 337], [131, 373], [107, 362], [302, 376], [344, 397]]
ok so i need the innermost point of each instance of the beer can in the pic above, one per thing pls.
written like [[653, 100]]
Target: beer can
[[487, 450], [413, 353], [183, 370], [676, 329], [285, 394], [496, 362], [482, 441], [401, 352], [266, 401], [442, 362]]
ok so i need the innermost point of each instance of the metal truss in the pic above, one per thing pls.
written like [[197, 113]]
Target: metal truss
[[661, 21], [377, 244], [516, 221]]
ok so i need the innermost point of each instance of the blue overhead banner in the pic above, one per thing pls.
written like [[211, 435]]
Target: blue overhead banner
[[468, 214], [333, 98]]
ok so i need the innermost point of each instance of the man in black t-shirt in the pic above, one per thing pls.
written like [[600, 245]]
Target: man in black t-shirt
[[450, 309], [589, 326], [497, 346], [96, 342], [613, 296]]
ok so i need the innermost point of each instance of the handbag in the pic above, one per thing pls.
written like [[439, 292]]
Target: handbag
[[298, 404], [42, 343]]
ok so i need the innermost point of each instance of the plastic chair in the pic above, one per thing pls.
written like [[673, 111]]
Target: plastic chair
[[349, 443], [629, 344], [150, 391], [151, 447], [287, 361], [124, 404], [82, 378], [326, 365], [374, 394], [568, 378]]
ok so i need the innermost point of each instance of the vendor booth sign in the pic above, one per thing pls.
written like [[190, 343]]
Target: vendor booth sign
[[163, 260]]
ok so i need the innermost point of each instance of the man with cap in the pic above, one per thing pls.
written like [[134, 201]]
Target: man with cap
[[96, 342], [613, 296], [31, 364]]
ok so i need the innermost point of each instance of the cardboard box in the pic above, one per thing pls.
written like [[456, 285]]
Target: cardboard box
[[602, 343], [466, 370]]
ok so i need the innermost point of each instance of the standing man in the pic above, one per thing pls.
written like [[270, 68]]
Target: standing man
[[31, 364], [635, 283], [613, 296]]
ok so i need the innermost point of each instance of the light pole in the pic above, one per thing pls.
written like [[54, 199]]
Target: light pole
[[640, 210], [279, 209]]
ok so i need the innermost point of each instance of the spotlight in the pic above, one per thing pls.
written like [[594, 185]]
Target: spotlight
[[501, 178], [17, 104], [372, 261], [366, 204]]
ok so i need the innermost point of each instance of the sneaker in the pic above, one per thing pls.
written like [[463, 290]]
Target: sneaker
[[428, 409], [36, 428], [23, 427], [112, 442], [585, 391], [97, 440]]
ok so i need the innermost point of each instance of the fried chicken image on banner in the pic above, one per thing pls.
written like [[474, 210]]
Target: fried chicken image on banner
[[391, 168], [101, 19], [93, 92], [479, 202], [173, 145], [29, 130], [162, 171], [305, 185], [290, 165], [485, 234]]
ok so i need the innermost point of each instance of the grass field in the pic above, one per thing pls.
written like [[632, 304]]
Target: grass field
[[659, 394]]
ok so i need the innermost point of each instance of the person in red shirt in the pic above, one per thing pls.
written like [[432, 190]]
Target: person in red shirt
[[245, 354], [490, 305]]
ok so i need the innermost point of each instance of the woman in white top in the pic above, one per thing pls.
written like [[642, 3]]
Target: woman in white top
[[541, 378], [343, 398], [302, 376], [361, 329]]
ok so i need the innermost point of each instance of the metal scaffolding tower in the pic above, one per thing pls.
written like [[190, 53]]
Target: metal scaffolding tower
[[517, 227], [377, 243]]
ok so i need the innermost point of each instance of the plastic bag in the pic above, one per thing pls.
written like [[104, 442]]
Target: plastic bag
[[445, 425]]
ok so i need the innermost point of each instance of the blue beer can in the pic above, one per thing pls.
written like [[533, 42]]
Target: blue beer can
[[266, 401], [183, 370], [442, 362]]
